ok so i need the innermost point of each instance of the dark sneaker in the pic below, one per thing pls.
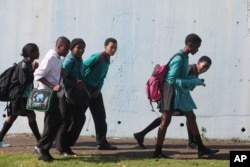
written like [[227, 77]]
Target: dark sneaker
[[159, 155], [68, 153], [106, 146], [43, 154], [192, 145], [140, 139], [206, 151]]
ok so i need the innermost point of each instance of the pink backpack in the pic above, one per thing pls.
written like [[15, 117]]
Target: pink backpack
[[154, 85]]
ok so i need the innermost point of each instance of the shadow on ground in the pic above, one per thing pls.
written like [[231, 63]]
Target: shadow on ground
[[127, 148]]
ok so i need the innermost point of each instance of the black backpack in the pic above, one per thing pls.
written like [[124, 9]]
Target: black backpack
[[5, 82]]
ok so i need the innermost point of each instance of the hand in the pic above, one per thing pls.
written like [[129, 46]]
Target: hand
[[95, 94], [199, 82], [57, 88]]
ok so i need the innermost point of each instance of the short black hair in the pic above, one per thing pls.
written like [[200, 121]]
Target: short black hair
[[62, 40], [107, 41], [192, 38], [206, 59], [28, 49]]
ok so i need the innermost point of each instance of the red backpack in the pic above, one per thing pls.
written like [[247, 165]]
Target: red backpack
[[154, 85]]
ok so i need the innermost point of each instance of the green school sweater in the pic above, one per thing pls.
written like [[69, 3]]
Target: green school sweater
[[96, 68]]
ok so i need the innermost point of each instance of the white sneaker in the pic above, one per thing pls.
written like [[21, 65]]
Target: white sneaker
[[3, 144]]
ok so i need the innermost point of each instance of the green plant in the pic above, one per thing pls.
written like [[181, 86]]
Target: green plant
[[203, 132]]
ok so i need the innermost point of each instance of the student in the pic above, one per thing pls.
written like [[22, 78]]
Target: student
[[96, 67], [21, 86], [202, 66], [177, 97], [73, 111], [49, 76]]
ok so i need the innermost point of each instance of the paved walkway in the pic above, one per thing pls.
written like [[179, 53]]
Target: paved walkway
[[175, 148]]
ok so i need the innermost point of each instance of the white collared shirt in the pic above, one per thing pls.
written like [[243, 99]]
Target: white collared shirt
[[49, 68]]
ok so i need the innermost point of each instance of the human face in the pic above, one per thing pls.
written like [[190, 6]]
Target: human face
[[63, 49], [35, 55], [111, 48], [194, 47], [202, 67], [78, 50]]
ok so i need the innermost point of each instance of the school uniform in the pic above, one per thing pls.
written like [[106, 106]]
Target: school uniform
[[96, 68], [21, 86], [73, 114], [177, 86], [50, 69]]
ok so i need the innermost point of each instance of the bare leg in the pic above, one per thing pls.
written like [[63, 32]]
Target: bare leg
[[165, 121]]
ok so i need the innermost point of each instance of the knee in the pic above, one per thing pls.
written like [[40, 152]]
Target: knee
[[166, 119], [191, 116], [11, 119]]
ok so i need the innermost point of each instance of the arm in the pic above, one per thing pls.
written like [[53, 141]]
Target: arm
[[42, 71], [186, 83], [90, 62], [174, 71], [190, 83], [51, 86]]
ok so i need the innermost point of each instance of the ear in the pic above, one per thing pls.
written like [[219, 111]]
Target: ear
[[190, 44], [58, 48]]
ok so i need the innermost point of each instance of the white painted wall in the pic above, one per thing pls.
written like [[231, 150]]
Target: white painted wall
[[148, 32]]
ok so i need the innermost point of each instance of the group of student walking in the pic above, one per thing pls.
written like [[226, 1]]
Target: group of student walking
[[65, 118], [78, 85]]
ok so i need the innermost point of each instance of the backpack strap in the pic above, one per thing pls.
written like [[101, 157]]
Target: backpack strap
[[177, 54]]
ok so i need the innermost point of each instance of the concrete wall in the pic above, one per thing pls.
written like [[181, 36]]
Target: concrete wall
[[148, 32]]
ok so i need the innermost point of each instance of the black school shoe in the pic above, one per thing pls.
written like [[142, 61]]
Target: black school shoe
[[140, 139], [206, 151], [43, 154], [106, 146], [159, 155]]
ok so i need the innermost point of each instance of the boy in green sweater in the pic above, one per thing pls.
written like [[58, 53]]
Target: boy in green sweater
[[96, 68]]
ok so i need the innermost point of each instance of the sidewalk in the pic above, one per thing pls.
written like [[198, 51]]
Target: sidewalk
[[175, 148]]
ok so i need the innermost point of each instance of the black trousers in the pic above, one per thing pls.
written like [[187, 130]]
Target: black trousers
[[52, 122], [76, 123], [62, 143], [73, 119], [98, 112]]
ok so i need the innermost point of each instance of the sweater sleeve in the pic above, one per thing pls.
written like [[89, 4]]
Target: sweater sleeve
[[91, 60], [189, 83], [186, 83], [174, 70]]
